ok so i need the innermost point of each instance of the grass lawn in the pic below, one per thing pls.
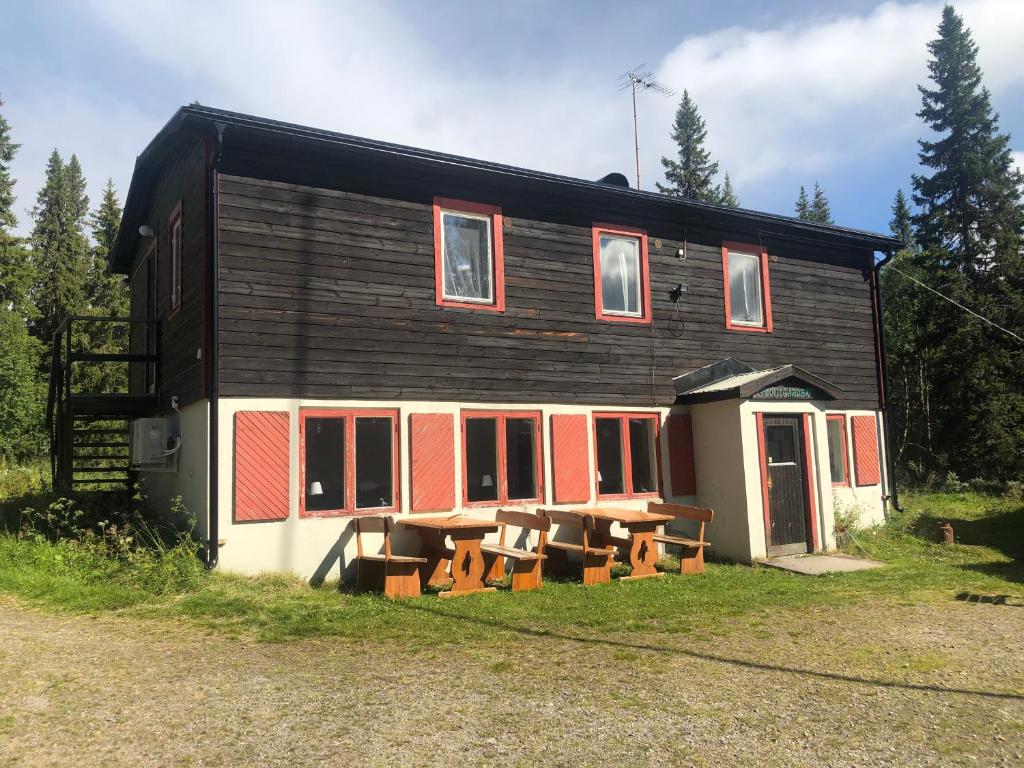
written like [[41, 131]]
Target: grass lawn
[[151, 662], [987, 559]]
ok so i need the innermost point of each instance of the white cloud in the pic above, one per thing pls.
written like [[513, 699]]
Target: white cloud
[[1018, 158], [809, 97]]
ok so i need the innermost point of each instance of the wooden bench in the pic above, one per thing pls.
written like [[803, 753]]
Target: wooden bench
[[526, 563], [692, 558], [597, 561], [397, 575]]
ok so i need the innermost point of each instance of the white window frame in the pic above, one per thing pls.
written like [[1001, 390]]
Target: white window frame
[[490, 257], [756, 259], [639, 294]]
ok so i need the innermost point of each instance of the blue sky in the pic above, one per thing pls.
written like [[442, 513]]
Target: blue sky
[[793, 91]]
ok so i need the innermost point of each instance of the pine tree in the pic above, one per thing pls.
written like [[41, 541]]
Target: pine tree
[[21, 387], [900, 225], [963, 408], [107, 293], [821, 212], [15, 273], [971, 202], [60, 249], [727, 195], [803, 205], [692, 175]]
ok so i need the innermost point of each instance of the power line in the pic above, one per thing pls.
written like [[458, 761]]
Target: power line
[[968, 310]]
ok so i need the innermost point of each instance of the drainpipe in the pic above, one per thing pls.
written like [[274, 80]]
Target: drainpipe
[[213, 476], [883, 378]]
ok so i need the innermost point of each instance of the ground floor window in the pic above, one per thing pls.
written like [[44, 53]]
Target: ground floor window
[[501, 457], [627, 455], [837, 460], [348, 461]]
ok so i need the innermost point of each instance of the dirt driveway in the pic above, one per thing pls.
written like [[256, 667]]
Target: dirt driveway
[[940, 683]]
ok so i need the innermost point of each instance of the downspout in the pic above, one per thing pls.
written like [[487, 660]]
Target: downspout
[[213, 476], [883, 377]]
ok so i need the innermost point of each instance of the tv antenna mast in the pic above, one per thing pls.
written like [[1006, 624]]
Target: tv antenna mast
[[639, 78]]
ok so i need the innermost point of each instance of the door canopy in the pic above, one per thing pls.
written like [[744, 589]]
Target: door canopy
[[733, 379]]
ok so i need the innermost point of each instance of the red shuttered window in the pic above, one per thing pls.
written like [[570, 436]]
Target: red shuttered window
[[865, 450], [469, 255], [432, 448], [261, 466], [570, 459], [501, 458], [626, 447], [348, 462], [682, 471]]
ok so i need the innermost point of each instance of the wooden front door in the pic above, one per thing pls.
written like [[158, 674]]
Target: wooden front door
[[786, 479]]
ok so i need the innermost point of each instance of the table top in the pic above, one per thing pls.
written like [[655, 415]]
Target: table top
[[448, 522], [626, 516]]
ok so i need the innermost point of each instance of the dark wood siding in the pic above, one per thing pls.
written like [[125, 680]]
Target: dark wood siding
[[327, 290], [182, 335]]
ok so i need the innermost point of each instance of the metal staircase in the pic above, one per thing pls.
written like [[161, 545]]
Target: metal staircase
[[88, 429]]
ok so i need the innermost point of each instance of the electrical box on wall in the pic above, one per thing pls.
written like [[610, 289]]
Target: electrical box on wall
[[148, 443]]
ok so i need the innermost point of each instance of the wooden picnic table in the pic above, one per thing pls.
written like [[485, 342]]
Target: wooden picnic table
[[643, 552], [466, 559]]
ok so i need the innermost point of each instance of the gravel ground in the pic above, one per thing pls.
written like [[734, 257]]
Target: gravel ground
[[936, 683]]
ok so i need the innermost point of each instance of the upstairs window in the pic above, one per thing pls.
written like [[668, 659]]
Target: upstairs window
[[748, 304], [627, 455], [837, 459], [175, 248], [501, 458], [349, 462], [621, 288], [468, 255]]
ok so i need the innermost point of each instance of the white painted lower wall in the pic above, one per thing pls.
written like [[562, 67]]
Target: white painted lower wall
[[189, 480], [726, 456]]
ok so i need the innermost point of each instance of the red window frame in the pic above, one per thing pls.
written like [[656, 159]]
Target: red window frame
[[538, 437], [596, 231], [349, 415], [627, 455], [175, 250], [497, 251], [766, 291], [845, 482]]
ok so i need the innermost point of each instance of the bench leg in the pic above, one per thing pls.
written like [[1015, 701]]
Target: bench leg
[[369, 575], [597, 569], [691, 560], [526, 575], [557, 563], [494, 567], [401, 580]]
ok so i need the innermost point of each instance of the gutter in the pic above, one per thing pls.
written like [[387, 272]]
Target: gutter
[[883, 375], [212, 358]]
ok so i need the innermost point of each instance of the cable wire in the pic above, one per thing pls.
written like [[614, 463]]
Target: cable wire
[[968, 310]]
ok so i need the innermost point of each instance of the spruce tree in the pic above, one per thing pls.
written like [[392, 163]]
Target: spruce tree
[[693, 174], [971, 202], [821, 212], [969, 392], [803, 205], [900, 225], [15, 271], [727, 195], [60, 248]]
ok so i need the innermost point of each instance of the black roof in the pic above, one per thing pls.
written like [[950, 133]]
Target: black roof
[[197, 119]]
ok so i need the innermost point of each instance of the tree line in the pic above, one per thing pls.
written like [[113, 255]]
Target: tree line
[[59, 270], [956, 379]]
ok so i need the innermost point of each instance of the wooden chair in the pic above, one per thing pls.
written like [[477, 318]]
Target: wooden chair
[[692, 558], [397, 575], [597, 561], [526, 564]]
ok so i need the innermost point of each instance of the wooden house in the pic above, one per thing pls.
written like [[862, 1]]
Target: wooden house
[[331, 326]]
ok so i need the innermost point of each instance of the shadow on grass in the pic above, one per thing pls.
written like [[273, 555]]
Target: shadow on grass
[[705, 656], [1003, 532]]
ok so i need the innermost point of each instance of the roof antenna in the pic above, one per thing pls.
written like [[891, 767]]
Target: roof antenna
[[635, 78]]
